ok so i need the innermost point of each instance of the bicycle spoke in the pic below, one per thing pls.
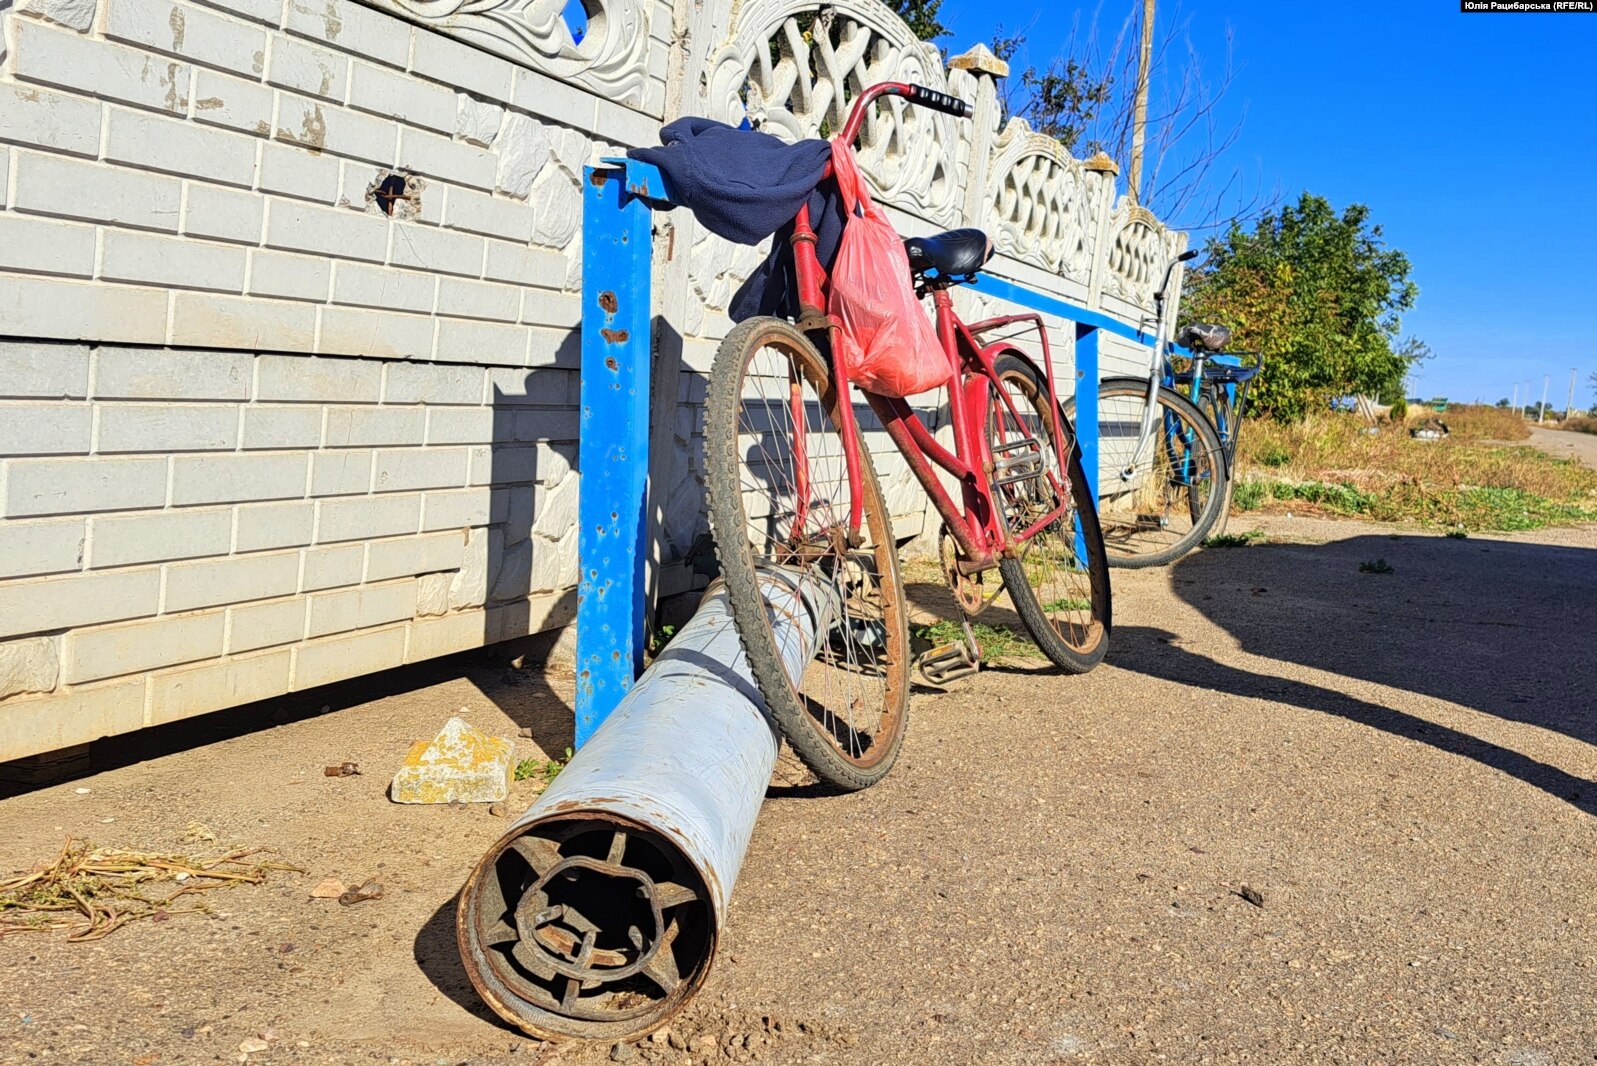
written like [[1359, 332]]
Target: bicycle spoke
[[1154, 500], [1056, 575], [793, 477]]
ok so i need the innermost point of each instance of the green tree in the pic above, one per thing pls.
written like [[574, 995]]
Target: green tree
[[921, 15], [1062, 100], [1320, 294]]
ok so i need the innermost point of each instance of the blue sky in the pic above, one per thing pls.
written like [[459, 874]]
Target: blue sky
[[1473, 139]]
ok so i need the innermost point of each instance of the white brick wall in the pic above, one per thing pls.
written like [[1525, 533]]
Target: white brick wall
[[239, 126], [255, 431], [207, 526]]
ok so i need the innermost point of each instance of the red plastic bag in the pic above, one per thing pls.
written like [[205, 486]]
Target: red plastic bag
[[889, 343]]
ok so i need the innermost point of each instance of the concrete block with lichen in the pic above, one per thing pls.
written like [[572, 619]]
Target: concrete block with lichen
[[460, 765]]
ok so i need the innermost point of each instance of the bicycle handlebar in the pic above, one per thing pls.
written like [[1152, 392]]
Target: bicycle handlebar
[[915, 94], [950, 105]]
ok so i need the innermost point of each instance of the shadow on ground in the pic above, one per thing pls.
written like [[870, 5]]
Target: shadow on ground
[[523, 694], [1500, 627], [437, 954]]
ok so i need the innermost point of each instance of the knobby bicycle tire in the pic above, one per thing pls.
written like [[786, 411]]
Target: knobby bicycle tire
[[841, 753]]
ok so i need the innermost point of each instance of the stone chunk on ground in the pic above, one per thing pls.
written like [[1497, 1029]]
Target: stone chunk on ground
[[460, 765]]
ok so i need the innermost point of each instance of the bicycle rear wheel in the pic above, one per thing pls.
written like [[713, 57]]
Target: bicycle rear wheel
[[1059, 585], [780, 501], [1157, 506], [1217, 410]]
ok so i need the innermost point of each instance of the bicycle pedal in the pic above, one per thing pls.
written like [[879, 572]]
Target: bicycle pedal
[[947, 663]]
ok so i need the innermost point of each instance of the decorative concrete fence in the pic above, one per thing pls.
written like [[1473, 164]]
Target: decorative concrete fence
[[288, 314]]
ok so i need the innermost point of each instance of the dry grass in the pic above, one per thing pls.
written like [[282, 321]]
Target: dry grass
[[1580, 424], [1335, 464], [1479, 422], [91, 891]]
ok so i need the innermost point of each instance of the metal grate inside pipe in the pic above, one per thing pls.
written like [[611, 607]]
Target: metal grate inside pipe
[[596, 915], [588, 926]]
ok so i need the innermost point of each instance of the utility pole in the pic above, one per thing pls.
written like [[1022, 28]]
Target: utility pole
[[1139, 120], [1541, 413], [1514, 403], [1569, 408]]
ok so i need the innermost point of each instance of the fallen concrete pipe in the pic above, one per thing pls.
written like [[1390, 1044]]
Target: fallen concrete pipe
[[596, 915]]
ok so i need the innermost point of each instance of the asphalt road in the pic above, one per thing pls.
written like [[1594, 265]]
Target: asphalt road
[[1582, 446], [1402, 766]]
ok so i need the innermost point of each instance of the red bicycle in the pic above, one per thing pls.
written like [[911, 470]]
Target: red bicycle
[[793, 487]]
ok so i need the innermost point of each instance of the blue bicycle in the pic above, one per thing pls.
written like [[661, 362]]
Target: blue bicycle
[[1167, 442]]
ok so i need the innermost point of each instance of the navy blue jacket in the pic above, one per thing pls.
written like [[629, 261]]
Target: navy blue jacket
[[746, 186]]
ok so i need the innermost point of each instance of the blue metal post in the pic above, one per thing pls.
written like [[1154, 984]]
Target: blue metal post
[[1087, 342], [613, 449]]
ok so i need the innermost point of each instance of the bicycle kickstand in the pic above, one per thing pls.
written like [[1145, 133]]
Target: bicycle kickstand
[[949, 662]]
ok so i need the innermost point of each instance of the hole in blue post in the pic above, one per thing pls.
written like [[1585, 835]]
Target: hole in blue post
[[576, 15]]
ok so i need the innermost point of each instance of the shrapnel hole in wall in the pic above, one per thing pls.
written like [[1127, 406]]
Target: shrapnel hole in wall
[[395, 194]]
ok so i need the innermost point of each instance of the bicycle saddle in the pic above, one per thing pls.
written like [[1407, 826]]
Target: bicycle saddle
[[1204, 335], [959, 251]]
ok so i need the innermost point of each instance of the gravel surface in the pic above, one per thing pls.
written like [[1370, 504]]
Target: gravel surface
[[1303, 814]]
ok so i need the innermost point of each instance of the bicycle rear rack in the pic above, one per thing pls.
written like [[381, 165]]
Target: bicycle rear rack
[[1015, 463], [1017, 460]]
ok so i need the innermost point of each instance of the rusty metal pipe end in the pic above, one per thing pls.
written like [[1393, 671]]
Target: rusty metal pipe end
[[596, 915], [586, 925]]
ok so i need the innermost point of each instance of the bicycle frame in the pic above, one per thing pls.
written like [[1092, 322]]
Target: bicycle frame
[[1156, 370], [1228, 418], [976, 524]]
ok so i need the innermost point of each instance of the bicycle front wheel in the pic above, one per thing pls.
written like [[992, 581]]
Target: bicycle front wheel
[[1157, 498], [1059, 581], [780, 501]]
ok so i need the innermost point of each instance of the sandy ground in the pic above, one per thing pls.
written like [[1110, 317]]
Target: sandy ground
[[1401, 764]]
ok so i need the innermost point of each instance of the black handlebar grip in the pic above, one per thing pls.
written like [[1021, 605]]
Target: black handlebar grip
[[952, 105]]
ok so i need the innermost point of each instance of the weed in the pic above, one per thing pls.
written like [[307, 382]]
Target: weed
[[997, 642], [1249, 495], [1511, 509], [1338, 496], [1457, 534], [659, 638], [545, 770], [1338, 465], [1234, 540], [1580, 424], [1272, 455], [1067, 604], [1375, 566], [1478, 422], [92, 891]]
